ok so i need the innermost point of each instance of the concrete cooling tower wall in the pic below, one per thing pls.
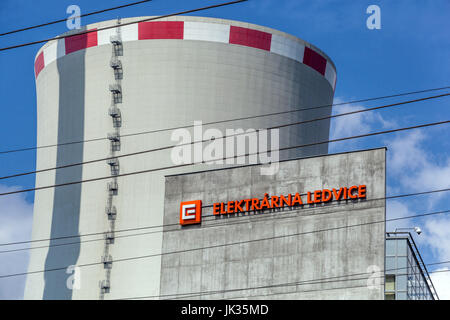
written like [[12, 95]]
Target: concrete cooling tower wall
[[102, 88]]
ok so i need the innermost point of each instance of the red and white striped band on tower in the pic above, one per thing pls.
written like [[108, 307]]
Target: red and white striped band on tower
[[190, 30]]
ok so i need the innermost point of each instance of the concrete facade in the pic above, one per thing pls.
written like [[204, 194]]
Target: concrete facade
[[224, 256], [166, 83]]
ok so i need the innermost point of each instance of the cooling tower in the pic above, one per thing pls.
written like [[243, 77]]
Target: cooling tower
[[99, 95]]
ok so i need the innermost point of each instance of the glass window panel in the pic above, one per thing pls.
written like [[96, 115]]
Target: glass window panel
[[401, 282], [390, 296], [402, 265], [390, 282], [410, 252], [390, 247], [401, 247], [410, 269], [390, 265], [401, 295]]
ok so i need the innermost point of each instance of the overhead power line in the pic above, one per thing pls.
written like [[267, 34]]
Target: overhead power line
[[122, 24], [224, 137], [224, 121], [225, 158], [332, 202], [303, 291], [365, 276], [342, 278], [225, 244], [80, 16], [264, 216]]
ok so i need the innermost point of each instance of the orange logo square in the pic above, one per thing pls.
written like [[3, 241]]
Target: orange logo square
[[190, 212]]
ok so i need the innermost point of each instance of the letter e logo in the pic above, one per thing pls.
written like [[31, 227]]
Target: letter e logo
[[190, 212]]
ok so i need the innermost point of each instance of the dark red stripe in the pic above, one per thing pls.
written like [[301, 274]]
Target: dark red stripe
[[315, 60], [39, 63], [250, 38], [81, 41], [161, 30]]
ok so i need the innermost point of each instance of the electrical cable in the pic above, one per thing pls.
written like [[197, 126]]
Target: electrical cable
[[225, 158], [223, 121], [296, 283], [222, 245], [122, 24], [80, 16], [285, 215], [224, 137], [2, 49]]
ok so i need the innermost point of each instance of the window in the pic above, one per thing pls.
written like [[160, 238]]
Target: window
[[390, 296], [390, 247], [390, 282]]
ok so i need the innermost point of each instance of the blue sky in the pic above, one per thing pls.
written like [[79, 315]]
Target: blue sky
[[410, 52]]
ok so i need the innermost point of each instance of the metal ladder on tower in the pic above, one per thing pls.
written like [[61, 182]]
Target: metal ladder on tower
[[114, 112]]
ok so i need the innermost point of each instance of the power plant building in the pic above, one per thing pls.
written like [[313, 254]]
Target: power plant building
[[111, 94], [314, 230]]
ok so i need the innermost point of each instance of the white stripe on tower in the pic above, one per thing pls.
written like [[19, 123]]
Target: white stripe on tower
[[330, 74], [206, 31], [203, 31], [130, 32], [103, 36], [287, 47], [54, 51]]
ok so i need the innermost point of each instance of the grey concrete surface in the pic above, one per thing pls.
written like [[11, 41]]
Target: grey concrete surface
[[166, 83], [224, 254], [66, 200]]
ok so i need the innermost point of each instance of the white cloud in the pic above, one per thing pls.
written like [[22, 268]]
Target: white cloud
[[435, 237], [357, 123], [441, 282], [15, 225], [430, 176], [410, 168], [354, 124], [405, 152], [438, 237], [416, 169], [397, 209]]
